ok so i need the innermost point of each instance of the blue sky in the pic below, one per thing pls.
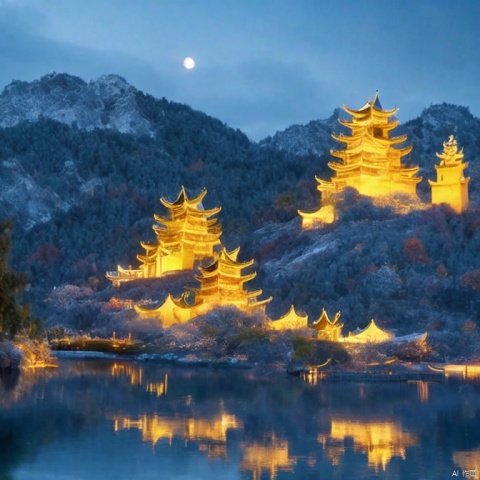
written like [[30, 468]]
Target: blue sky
[[261, 65]]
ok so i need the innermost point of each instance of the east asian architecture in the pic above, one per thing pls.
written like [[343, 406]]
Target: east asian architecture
[[222, 283], [189, 233], [371, 161], [371, 334], [290, 321], [171, 312], [329, 330], [451, 187]]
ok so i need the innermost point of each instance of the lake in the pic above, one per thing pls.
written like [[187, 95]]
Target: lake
[[111, 419]]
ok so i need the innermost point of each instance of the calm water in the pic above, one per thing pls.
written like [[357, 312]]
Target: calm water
[[103, 419]]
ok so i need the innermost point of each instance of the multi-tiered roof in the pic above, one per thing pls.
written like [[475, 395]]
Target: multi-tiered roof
[[187, 234], [223, 283], [371, 161], [451, 186]]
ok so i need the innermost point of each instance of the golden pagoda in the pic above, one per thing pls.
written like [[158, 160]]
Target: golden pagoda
[[327, 329], [451, 186], [290, 321], [172, 311], [222, 283], [371, 161], [187, 235]]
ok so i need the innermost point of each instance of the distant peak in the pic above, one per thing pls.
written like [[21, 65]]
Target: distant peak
[[112, 78]]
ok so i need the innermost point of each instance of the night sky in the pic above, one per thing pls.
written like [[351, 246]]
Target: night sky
[[261, 65]]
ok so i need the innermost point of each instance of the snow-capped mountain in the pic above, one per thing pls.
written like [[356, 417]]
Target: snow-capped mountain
[[108, 102]]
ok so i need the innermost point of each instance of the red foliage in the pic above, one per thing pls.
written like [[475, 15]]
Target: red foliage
[[472, 280], [413, 248], [45, 253]]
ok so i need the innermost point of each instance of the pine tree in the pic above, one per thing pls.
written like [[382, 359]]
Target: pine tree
[[13, 315]]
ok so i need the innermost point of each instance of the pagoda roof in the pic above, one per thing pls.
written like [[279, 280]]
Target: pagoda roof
[[324, 323], [182, 198], [371, 107], [372, 333], [290, 320]]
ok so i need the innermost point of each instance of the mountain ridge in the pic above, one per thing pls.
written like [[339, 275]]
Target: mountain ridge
[[86, 197]]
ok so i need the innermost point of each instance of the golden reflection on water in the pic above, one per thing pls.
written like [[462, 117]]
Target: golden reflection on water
[[271, 456], [380, 441], [136, 376], [467, 461], [422, 391], [210, 433]]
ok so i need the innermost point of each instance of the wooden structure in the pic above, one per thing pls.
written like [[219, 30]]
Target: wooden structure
[[222, 283], [172, 311], [451, 187], [371, 161], [290, 321], [327, 329], [371, 334], [188, 233]]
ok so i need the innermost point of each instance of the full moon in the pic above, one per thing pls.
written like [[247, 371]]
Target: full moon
[[189, 63]]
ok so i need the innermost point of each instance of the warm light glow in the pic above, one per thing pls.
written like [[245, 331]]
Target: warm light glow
[[370, 162], [380, 441], [186, 235], [290, 321], [271, 456], [327, 329], [451, 187], [210, 433], [371, 334], [222, 283], [189, 63], [135, 374]]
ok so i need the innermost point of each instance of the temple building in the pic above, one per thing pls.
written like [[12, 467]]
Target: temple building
[[371, 161], [371, 334], [327, 329], [172, 311], [222, 283], [451, 187], [290, 321], [188, 234]]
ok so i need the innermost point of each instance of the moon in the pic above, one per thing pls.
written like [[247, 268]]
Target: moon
[[189, 63]]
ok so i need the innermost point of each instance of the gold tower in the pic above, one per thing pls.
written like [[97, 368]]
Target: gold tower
[[187, 235], [451, 186], [371, 161], [223, 283]]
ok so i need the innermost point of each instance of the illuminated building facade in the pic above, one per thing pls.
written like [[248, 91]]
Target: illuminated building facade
[[327, 329], [371, 161], [451, 187], [189, 233], [290, 321], [222, 283]]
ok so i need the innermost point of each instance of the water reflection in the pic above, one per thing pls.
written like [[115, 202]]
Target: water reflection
[[270, 456], [380, 441], [133, 420], [211, 434], [134, 373]]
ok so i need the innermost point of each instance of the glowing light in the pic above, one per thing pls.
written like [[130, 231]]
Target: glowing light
[[189, 63]]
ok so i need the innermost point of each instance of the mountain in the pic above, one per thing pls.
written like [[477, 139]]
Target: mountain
[[108, 102], [82, 167]]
